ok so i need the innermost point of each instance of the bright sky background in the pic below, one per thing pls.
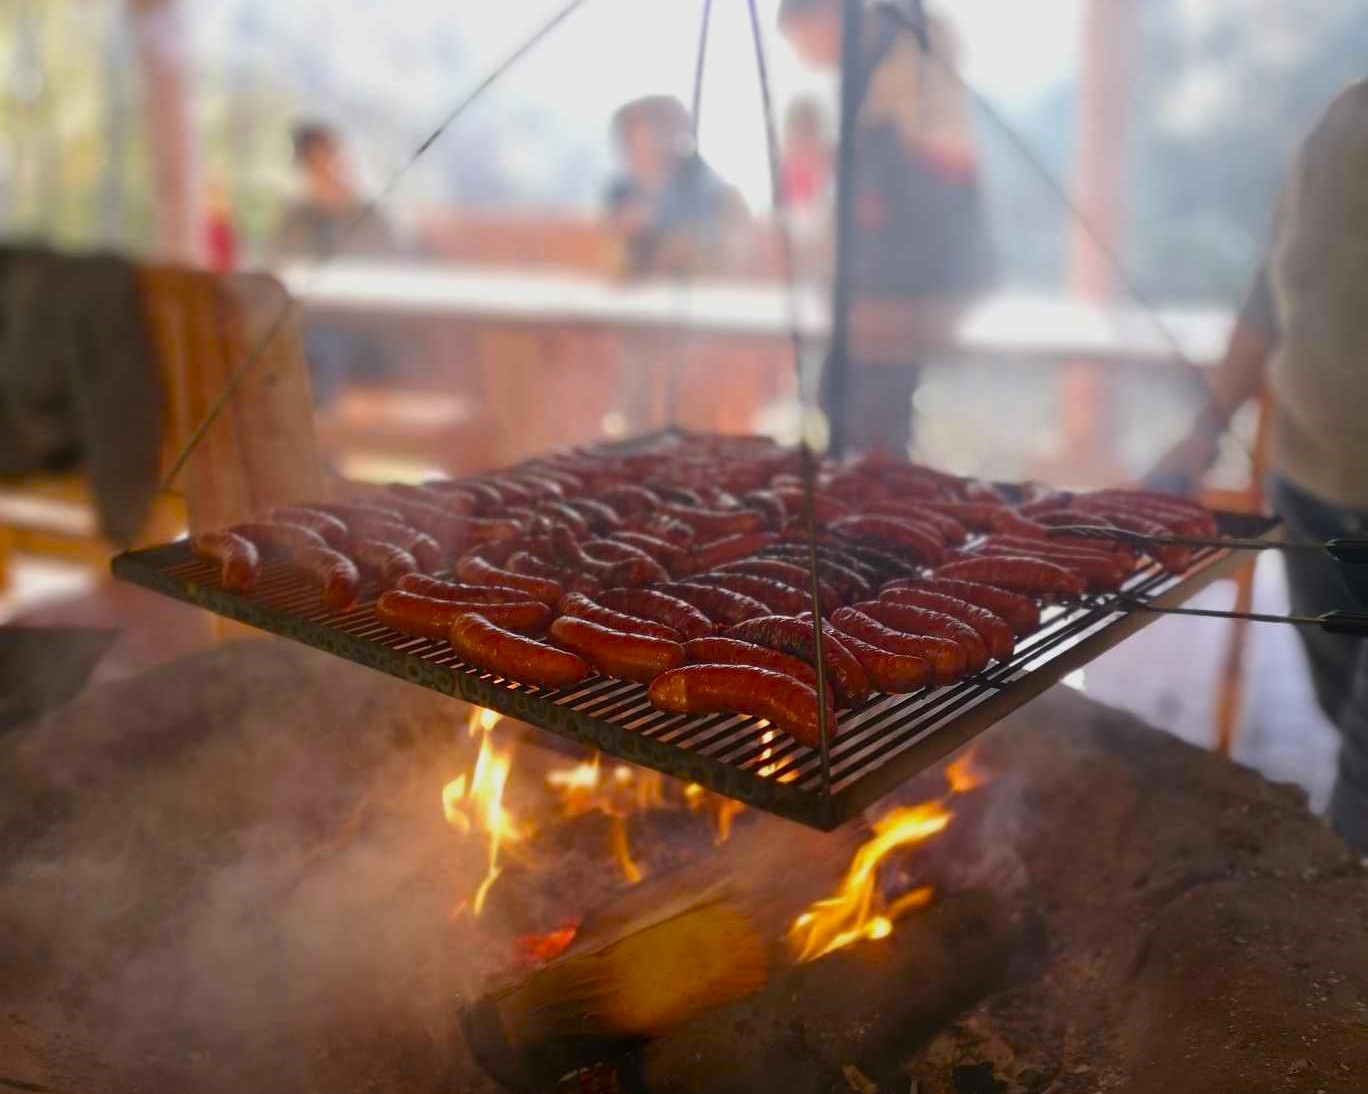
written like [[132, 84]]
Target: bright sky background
[[613, 50]]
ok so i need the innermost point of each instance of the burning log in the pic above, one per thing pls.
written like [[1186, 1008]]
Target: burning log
[[774, 916], [864, 1005], [675, 946]]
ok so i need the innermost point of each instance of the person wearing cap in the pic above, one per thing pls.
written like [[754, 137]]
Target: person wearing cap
[[1303, 335], [921, 251]]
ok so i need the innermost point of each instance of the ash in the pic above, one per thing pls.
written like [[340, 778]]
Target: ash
[[234, 873]]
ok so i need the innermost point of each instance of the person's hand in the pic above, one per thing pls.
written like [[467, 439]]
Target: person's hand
[[1180, 470]]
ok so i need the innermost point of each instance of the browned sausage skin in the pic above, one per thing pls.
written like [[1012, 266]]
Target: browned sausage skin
[[617, 653], [237, 558], [702, 689], [517, 657]]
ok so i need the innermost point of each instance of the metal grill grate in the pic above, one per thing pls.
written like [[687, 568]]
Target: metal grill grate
[[879, 745]]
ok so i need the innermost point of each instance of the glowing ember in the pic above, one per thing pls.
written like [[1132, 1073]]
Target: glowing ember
[[859, 909], [963, 774], [768, 769], [533, 949], [476, 803]]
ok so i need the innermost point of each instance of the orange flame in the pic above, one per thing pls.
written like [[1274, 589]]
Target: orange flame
[[583, 789], [723, 809], [476, 802], [859, 909]]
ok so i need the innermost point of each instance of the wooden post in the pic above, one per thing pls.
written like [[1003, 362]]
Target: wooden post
[[160, 48], [1109, 29]]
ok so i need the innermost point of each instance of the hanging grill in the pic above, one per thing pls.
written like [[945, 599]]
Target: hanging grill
[[878, 744]]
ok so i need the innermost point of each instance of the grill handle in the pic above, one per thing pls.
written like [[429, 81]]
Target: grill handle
[[1347, 552], [1350, 552], [1354, 624]]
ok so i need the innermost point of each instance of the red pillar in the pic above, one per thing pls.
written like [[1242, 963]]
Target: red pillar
[[161, 50]]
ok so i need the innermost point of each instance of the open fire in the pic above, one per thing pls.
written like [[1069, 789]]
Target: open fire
[[474, 804], [859, 909]]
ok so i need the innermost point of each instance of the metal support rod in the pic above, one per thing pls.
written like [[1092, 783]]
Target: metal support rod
[[808, 461], [700, 62], [837, 381]]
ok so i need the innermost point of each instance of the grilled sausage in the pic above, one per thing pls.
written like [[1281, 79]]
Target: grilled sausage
[[334, 571], [661, 608], [903, 534], [732, 651], [786, 573], [583, 607], [713, 524], [350, 511], [432, 618], [329, 528], [702, 689], [777, 598], [438, 589], [722, 606], [1020, 612], [908, 619], [277, 538], [1098, 570], [629, 499], [514, 656], [991, 628], [571, 581], [724, 550], [786, 634], [670, 555], [388, 562], [769, 505], [477, 571], [1019, 574], [946, 657], [617, 653], [237, 558], [890, 673]]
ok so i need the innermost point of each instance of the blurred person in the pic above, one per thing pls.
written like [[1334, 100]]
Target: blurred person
[[674, 213], [921, 252], [326, 217], [1303, 334], [807, 155], [324, 222]]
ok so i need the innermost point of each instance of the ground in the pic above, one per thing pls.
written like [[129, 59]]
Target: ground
[[234, 873]]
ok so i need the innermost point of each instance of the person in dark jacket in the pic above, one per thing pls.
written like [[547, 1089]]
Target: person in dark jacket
[[674, 213], [921, 241]]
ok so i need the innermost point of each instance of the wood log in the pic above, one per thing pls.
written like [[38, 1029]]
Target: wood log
[[865, 1005], [667, 951]]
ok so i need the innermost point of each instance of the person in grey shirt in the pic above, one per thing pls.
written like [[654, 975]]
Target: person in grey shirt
[[326, 221], [1303, 332]]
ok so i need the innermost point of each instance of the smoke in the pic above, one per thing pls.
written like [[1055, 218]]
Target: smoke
[[235, 872]]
